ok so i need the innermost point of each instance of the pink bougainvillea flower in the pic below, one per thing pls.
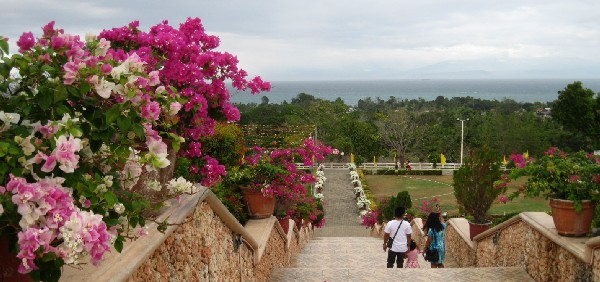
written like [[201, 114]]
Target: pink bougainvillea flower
[[174, 108], [26, 41], [151, 110], [503, 199], [551, 151], [49, 164], [71, 72]]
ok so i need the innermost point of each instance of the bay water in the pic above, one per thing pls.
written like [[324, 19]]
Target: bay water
[[520, 90]]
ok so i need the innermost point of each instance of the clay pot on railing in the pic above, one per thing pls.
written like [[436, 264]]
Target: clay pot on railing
[[568, 221], [258, 205]]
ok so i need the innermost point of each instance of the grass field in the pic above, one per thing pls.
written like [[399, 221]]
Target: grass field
[[423, 187]]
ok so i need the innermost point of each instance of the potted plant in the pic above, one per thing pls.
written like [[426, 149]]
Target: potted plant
[[477, 184], [570, 181], [254, 179]]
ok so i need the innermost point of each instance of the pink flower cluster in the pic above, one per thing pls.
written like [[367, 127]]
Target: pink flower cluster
[[187, 60], [519, 160], [370, 218], [428, 207], [48, 215]]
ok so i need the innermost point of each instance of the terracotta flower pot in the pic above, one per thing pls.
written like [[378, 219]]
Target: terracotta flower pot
[[9, 264], [258, 205], [476, 228], [285, 224], [298, 223], [568, 221]]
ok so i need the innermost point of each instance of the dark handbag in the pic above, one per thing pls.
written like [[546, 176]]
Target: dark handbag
[[390, 241], [432, 255]]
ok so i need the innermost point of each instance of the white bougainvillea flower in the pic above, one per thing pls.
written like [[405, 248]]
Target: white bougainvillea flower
[[25, 144], [8, 119]]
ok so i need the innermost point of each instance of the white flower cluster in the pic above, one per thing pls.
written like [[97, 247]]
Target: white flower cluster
[[354, 175], [319, 184], [180, 185], [351, 166], [361, 200]]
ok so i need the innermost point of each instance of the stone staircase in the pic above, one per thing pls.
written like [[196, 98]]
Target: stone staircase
[[343, 250], [362, 259]]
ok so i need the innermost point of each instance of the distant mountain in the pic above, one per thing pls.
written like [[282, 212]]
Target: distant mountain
[[514, 68]]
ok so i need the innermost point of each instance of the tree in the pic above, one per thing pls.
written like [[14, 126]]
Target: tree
[[399, 130], [576, 110]]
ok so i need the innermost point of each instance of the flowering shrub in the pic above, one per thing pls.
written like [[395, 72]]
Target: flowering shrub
[[429, 206], [84, 125], [559, 175], [476, 184], [370, 218]]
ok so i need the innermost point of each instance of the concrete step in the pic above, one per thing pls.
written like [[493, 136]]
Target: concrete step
[[359, 273], [333, 238], [340, 259]]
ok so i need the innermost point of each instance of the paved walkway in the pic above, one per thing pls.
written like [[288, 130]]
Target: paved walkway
[[344, 251], [341, 212]]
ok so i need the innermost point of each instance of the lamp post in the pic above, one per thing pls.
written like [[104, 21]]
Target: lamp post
[[462, 138]]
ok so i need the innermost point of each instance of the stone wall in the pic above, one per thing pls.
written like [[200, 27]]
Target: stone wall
[[200, 248], [460, 249], [522, 245], [528, 240]]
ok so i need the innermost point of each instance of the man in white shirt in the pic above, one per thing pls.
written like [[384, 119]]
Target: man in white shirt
[[400, 230]]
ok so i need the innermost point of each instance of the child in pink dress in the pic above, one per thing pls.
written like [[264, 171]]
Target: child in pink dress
[[412, 256]]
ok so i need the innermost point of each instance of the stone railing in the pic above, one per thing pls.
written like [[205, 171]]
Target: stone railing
[[458, 244], [528, 240], [205, 243]]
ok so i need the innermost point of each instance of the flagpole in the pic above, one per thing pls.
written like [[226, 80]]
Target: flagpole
[[462, 138]]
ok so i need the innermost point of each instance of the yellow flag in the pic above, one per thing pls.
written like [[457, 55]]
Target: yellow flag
[[374, 161], [504, 162], [526, 155], [443, 159]]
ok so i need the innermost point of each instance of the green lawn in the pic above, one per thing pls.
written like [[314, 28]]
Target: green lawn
[[428, 186]]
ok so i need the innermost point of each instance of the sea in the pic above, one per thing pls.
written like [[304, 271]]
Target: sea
[[520, 90]]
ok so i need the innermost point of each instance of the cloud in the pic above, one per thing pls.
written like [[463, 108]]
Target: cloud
[[287, 40]]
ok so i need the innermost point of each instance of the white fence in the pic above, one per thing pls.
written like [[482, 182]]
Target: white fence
[[383, 166]]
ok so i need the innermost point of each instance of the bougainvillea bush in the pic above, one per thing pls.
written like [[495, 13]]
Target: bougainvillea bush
[[83, 122]]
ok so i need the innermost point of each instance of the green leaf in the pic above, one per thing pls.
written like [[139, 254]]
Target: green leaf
[[60, 94], [110, 198], [84, 88], [75, 131], [133, 221], [49, 256], [61, 110], [124, 124], [47, 68], [138, 129], [3, 45], [113, 114], [44, 100], [119, 243]]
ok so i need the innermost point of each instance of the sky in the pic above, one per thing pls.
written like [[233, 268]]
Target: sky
[[284, 40]]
